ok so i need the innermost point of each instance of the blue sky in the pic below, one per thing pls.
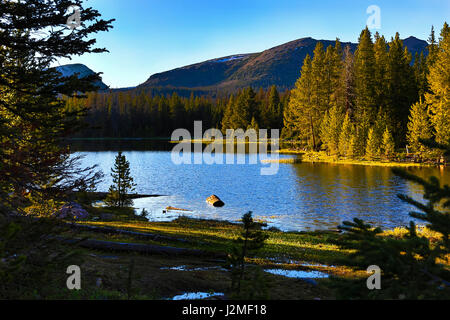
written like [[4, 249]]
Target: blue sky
[[152, 36]]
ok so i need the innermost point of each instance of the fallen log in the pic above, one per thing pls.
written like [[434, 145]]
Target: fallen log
[[138, 247], [215, 201], [140, 235]]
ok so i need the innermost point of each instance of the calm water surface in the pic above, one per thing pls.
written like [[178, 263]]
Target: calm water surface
[[300, 197]]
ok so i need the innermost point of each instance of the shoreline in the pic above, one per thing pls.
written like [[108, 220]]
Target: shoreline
[[317, 157]]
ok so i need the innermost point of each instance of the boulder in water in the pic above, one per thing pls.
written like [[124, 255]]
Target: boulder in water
[[215, 201]]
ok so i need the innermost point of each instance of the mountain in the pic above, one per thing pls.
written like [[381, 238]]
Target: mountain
[[278, 66], [81, 70]]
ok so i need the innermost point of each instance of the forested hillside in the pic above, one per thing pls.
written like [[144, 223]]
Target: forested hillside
[[369, 103]]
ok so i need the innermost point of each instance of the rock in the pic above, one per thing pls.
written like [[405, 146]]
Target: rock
[[215, 201], [73, 211]]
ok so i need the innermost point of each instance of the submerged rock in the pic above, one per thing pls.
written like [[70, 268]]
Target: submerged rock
[[215, 201]]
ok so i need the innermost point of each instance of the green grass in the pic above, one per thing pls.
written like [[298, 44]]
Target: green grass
[[218, 236]]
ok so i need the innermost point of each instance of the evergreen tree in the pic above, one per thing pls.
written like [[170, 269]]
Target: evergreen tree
[[364, 76], [372, 149], [226, 120], [345, 92], [118, 195], [301, 117], [401, 88], [321, 85], [345, 137], [331, 129], [244, 279], [381, 71], [362, 128], [245, 108], [432, 48], [388, 146], [438, 99], [419, 127], [33, 119], [270, 114], [333, 71]]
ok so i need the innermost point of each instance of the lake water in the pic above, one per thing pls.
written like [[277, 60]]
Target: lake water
[[299, 197]]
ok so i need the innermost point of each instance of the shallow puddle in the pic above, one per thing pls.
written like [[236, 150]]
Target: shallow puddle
[[197, 296], [298, 274]]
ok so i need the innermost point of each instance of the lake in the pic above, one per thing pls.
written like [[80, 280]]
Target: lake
[[299, 197]]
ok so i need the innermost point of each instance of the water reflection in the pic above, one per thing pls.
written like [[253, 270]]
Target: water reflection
[[300, 197]]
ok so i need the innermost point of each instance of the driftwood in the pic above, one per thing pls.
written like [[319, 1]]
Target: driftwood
[[215, 201], [177, 209], [137, 247]]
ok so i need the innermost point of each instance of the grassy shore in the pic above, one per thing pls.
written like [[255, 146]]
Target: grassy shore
[[322, 157], [159, 276], [127, 274]]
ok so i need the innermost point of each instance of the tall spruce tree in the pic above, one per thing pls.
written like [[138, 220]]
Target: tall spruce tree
[[419, 127], [364, 77], [345, 137], [388, 145], [373, 145], [331, 129], [438, 99], [34, 120], [123, 185], [381, 69], [345, 92], [401, 88], [301, 117]]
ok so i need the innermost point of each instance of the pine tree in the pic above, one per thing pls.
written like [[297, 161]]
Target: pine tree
[[438, 99], [362, 128], [33, 119], [226, 120], [345, 137], [301, 117], [372, 149], [345, 92], [419, 127], [388, 145], [364, 76], [331, 129], [381, 69], [320, 93], [270, 115], [333, 71], [118, 195], [243, 281], [245, 108], [401, 88], [432, 48]]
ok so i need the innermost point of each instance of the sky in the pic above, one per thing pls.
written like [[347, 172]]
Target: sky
[[151, 36]]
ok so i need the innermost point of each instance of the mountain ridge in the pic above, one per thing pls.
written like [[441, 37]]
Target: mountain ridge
[[279, 65]]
